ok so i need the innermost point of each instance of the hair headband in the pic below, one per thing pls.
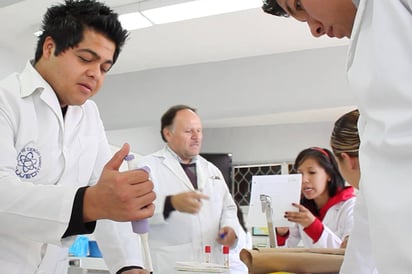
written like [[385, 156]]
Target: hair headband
[[321, 150]]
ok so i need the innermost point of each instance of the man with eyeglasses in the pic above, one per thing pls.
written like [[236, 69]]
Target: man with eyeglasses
[[379, 72]]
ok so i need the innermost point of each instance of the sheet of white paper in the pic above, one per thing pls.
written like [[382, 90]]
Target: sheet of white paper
[[283, 191]]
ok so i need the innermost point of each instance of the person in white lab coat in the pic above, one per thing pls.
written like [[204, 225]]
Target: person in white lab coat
[[345, 143], [325, 214], [379, 68], [54, 180], [194, 208]]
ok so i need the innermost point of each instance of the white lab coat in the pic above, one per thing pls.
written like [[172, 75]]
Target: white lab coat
[[337, 223], [235, 264], [181, 237], [43, 161], [379, 71]]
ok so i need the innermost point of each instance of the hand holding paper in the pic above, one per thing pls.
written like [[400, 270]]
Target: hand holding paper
[[303, 217]]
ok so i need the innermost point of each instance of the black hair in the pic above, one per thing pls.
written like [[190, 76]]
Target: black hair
[[169, 116], [65, 23], [272, 7], [241, 218], [327, 161]]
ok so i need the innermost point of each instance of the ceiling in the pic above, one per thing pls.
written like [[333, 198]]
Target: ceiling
[[215, 38]]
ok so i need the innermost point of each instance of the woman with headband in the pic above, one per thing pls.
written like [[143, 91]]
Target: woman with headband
[[325, 213], [345, 145]]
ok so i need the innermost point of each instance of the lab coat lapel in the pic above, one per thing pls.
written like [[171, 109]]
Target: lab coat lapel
[[175, 167], [73, 117], [50, 98], [355, 32], [31, 78], [202, 174]]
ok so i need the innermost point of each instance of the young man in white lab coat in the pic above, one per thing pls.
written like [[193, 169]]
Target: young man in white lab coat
[[379, 71], [53, 147], [189, 213]]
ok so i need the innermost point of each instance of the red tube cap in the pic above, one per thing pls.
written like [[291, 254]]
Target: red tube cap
[[225, 249]]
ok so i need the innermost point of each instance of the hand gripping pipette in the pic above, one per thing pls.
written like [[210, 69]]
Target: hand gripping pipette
[[141, 227]]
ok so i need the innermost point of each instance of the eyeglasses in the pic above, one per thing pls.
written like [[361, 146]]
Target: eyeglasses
[[272, 7]]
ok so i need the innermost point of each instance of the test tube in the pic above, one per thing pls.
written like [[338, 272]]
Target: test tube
[[208, 251], [226, 256]]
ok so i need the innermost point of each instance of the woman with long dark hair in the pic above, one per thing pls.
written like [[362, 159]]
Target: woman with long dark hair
[[325, 214]]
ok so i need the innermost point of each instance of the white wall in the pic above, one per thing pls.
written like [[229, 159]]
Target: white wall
[[261, 85], [293, 81], [142, 141], [266, 144], [10, 62], [248, 145]]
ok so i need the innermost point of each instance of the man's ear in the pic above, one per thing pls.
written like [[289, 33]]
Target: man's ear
[[48, 47], [166, 133]]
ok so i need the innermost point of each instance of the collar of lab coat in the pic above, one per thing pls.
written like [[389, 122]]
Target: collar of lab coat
[[32, 81], [172, 162], [343, 195], [194, 159]]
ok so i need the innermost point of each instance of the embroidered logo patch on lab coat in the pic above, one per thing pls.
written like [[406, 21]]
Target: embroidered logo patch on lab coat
[[28, 163]]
